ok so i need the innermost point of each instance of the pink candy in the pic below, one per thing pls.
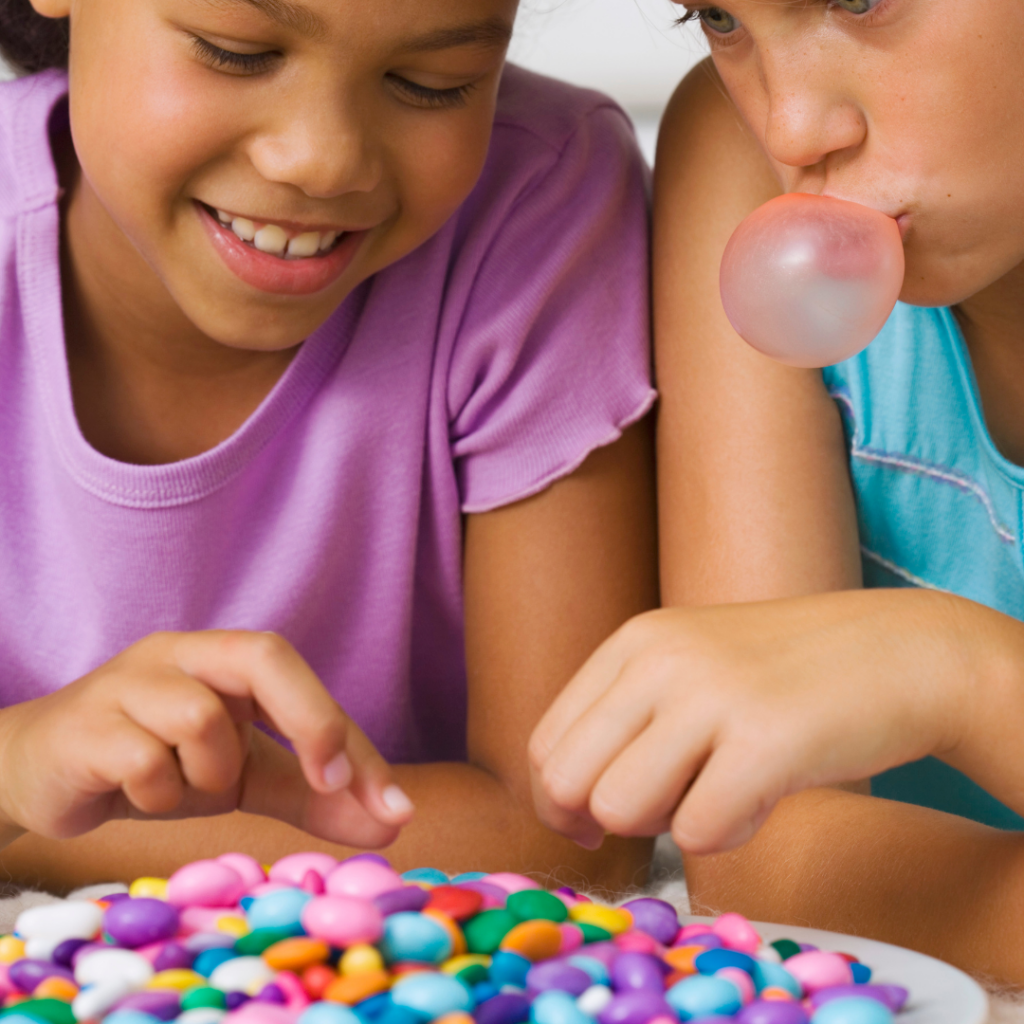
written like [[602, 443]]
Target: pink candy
[[205, 883], [818, 969], [342, 920], [511, 882], [572, 938], [291, 870], [249, 869], [364, 878], [737, 933], [741, 980]]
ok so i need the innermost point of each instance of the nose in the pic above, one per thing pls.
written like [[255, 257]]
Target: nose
[[811, 115], [320, 145]]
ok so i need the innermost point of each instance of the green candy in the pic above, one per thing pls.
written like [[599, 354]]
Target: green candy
[[531, 904], [472, 975], [260, 939], [785, 948], [203, 995], [485, 931], [46, 1011], [591, 933]]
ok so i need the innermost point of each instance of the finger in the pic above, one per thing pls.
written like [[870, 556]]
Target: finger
[[266, 669], [579, 827], [598, 673], [593, 742], [189, 717], [729, 801], [274, 786], [638, 793], [373, 782], [133, 760]]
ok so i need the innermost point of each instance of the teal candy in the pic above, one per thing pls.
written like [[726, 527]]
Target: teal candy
[[703, 996], [861, 973], [412, 936], [432, 994], [281, 909], [468, 876], [328, 1013], [210, 959], [597, 970], [508, 968], [766, 974], [853, 1010], [937, 504], [556, 1007], [431, 876], [130, 1017]]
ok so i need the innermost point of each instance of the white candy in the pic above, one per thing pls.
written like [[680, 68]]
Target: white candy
[[201, 1015], [243, 974], [768, 955], [69, 919], [42, 948], [594, 1000], [94, 1001], [104, 967]]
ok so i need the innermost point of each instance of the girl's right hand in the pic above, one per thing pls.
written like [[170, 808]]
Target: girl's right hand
[[164, 730]]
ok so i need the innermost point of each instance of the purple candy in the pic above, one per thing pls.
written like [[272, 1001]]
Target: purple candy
[[637, 971], [84, 949], [233, 1000], [397, 901], [27, 974], [375, 857], [159, 1003], [506, 1008], [66, 950], [115, 896], [806, 947], [891, 996], [636, 1007], [558, 975], [485, 889], [655, 917], [173, 956], [564, 890], [271, 993], [772, 1011], [139, 922]]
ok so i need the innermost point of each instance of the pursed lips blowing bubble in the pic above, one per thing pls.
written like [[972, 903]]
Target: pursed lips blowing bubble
[[810, 280]]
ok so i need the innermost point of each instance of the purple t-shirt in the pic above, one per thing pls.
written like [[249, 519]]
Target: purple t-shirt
[[470, 374]]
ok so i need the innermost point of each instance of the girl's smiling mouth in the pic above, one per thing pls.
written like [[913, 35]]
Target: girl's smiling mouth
[[279, 257]]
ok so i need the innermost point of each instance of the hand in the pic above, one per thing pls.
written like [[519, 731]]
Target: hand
[[700, 720], [164, 730]]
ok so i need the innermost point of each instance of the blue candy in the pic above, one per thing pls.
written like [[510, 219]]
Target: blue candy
[[327, 1013], [767, 974], [508, 968], [210, 959], [432, 876], [412, 936], [468, 876], [852, 1010], [557, 1008], [715, 959], [861, 973], [126, 1017], [703, 996], [281, 909], [431, 994]]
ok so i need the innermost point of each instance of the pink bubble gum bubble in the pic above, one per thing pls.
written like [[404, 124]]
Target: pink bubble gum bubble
[[810, 280]]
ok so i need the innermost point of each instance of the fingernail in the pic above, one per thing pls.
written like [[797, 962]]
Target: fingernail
[[396, 801], [338, 772]]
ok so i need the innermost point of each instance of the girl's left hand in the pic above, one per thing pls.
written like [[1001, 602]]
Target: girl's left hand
[[700, 720]]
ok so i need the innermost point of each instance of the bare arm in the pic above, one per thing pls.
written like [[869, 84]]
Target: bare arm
[[546, 580], [755, 503]]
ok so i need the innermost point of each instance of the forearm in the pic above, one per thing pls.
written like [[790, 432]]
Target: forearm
[[466, 819], [908, 875]]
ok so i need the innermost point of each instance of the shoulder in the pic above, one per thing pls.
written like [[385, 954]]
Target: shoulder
[[27, 105]]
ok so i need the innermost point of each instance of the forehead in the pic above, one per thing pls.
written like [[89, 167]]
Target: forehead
[[413, 24]]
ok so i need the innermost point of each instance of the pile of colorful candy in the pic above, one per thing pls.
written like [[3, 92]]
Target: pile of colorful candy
[[315, 941]]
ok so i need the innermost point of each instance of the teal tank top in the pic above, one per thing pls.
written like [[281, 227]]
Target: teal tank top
[[937, 504]]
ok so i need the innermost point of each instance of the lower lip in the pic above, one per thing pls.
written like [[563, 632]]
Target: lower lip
[[273, 274]]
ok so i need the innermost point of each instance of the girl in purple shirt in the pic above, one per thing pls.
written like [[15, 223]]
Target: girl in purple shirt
[[323, 356]]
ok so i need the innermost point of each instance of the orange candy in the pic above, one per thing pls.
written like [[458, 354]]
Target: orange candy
[[354, 988], [777, 993], [456, 1017], [535, 940], [56, 988], [315, 980], [296, 954], [454, 931], [682, 958]]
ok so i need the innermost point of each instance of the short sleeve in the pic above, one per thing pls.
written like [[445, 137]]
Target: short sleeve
[[552, 354]]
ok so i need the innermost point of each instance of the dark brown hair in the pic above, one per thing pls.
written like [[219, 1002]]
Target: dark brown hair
[[28, 40]]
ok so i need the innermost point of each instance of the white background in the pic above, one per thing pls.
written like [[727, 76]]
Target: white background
[[627, 48]]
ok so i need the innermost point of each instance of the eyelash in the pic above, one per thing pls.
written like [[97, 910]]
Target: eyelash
[[436, 99], [866, 18]]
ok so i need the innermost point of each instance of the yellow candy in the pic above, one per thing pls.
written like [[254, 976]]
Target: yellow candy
[[360, 959], [11, 949], [611, 919], [536, 940], [296, 954], [150, 888], [177, 978], [56, 988], [230, 924], [460, 963]]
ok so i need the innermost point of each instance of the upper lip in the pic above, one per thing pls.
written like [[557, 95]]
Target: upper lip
[[295, 226]]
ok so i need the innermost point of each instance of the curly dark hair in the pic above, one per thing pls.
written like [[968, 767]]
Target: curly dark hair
[[28, 40]]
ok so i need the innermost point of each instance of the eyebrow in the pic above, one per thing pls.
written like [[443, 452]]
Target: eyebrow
[[492, 32], [284, 12]]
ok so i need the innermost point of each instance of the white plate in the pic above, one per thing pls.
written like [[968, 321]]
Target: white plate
[[939, 994]]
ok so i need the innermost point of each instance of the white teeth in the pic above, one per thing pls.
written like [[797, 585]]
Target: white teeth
[[224, 218], [327, 239], [245, 229], [305, 244], [271, 239]]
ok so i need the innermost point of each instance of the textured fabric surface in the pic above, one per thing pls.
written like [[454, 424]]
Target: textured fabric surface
[[474, 372], [938, 505]]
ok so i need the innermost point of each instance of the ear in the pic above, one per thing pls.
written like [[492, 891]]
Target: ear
[[52, 8]]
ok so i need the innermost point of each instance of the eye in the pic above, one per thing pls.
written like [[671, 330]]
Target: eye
[[228, 60], [856, 6], [718, 21], [435, 99]]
